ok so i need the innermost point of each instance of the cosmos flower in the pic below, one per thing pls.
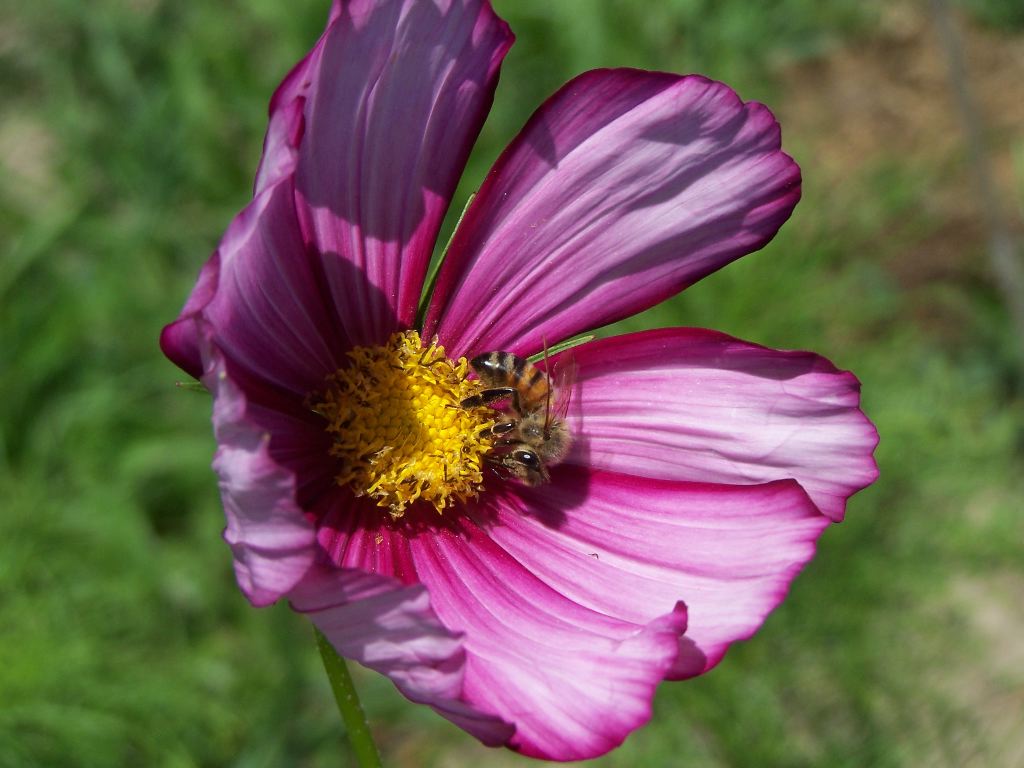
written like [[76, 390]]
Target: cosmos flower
[[356, 486]]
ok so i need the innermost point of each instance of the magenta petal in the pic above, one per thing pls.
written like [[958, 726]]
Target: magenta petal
[[287, 118], [573, 681], [273, 544], [268, 313], [394, 96], [390, 628], [623, 189], [181, 340], [631, 547], [692, 404], [284, 130], [356, 533]]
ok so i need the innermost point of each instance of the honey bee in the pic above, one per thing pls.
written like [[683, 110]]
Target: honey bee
[[531, 434]]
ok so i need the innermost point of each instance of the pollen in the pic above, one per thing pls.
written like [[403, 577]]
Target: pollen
[[400, 434]]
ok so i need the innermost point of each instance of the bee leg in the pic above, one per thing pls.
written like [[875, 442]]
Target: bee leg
[[501, 428], [489, 396], [498, 468]]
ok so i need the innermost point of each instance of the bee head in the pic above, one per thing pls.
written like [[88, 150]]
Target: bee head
[[526, 466]]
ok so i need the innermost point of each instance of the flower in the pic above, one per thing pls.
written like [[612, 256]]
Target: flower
[[703, 467]]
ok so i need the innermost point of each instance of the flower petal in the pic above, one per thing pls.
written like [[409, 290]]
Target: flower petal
[[273, 543], [574, 682], [268, 313], [692, 404], [356, 533], [391, 628], [394, 97], [181, 340], [624, 188], [286, 124], [631, 547], [287, 119]]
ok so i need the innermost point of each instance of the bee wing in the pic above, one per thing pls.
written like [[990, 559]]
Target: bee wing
[[563, 377]]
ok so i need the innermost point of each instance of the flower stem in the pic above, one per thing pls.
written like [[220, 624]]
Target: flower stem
[[348, 704]]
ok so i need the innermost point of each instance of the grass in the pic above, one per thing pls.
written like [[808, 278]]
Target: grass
[[129, 134]]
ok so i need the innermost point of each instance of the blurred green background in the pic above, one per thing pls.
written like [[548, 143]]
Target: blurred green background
[[129, 134]]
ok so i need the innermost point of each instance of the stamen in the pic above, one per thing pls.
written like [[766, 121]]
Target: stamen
[[398, 428]]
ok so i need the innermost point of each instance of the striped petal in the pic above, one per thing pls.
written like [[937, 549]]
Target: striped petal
[[633, 547], [393, 98], [696, 405], [624, 188]]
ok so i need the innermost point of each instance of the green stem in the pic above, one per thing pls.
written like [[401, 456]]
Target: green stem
[[348, 704], [428, 286]]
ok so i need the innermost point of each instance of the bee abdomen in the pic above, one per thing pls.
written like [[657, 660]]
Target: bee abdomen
[[536, 385], [504, 369], [499, 368]]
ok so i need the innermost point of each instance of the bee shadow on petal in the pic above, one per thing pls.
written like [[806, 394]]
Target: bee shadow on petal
[[551, 503]]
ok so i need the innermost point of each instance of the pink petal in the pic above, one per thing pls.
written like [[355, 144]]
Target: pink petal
[[624, 188], [573, 681], [181, 340], [298, 441], [287, 119], [272, 542], [355, 533], [391, 628], [692, 404], [631, 547], [394, 96], [286, 124], [268, 313], [532, 655]]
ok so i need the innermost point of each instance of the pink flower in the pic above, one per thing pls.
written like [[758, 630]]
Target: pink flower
[[703, 468]]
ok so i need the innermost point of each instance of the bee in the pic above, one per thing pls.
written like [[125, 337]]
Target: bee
[[531, 434]]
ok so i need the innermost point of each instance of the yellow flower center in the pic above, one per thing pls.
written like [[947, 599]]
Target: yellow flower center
[[398, 426]]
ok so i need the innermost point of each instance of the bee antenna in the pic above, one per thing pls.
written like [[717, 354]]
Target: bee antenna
[[547, 396]]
